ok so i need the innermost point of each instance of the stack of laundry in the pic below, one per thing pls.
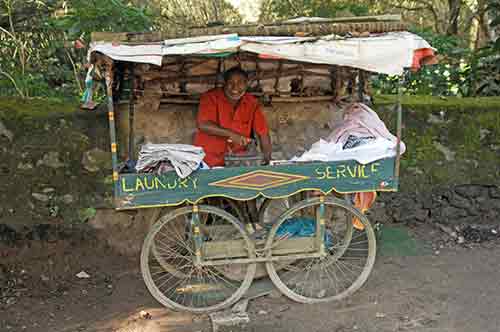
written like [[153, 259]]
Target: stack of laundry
[[361, 136], [161, 158]]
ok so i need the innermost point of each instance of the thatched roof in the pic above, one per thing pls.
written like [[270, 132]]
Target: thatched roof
[[339, 26]]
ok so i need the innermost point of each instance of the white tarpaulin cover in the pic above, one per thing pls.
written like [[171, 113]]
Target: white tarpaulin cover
[[388, 53]]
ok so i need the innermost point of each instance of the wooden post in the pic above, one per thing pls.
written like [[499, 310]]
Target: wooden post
[[320, 225], [399, 129], [361, 85], [108, 74], [277, 82], [195, 229], [131, 110]]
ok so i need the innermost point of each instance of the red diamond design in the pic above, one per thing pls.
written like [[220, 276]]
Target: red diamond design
[[259, 180]]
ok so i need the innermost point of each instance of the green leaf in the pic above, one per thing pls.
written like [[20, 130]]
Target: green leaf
[[86, 214], [495, 22], [496, 46]]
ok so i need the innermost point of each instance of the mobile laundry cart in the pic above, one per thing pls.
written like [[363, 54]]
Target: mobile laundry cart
[[198, 255]]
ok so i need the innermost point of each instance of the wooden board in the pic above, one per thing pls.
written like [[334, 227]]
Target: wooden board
[[246, 183]]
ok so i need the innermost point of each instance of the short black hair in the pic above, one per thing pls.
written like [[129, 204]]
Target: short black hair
[[234, 71]]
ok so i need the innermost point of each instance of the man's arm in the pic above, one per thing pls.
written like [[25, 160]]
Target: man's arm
[[213, 129], [207, 120], [266, 147]]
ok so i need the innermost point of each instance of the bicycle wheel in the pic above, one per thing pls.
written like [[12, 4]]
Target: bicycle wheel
[[175, 280], [348, 261]]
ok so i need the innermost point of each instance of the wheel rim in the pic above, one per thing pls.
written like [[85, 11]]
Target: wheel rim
[[168, 268], [347, 265]]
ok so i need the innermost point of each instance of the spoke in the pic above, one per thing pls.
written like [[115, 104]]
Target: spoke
[[178, 236], [172, 251], [337, 282], [339, 263], [173, 288], [221, 278], [329, 277], [308, 269], [166, 275], [317, 278], [195, 287]]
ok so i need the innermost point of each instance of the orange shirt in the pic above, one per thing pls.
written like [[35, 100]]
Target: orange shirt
[[216, 108]]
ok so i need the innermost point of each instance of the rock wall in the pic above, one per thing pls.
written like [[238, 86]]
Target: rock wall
[[294, 127], [477, 204], [53, 163]]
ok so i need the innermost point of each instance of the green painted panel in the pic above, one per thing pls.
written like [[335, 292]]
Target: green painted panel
[[244, 183]]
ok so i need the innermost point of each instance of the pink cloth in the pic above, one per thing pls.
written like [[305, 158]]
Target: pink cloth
[[360, 120]]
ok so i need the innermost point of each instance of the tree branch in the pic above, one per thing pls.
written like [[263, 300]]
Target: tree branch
[[74, 71], [13, 83], [410, 8]]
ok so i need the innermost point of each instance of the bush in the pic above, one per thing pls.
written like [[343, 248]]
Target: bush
[[460, 72], [41, 62]]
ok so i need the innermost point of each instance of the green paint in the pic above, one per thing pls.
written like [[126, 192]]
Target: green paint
[[145, 190]]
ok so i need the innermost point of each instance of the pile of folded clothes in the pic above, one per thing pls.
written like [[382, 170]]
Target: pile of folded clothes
[[361, 136], [161, 158]]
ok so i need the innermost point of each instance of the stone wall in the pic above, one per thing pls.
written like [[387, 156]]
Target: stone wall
[[294, 127], [55, 163], [455, 205]]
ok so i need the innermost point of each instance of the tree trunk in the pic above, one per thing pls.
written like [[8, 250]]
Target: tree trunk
[[454, 6]]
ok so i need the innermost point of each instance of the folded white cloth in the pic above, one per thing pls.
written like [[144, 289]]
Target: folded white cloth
[[358, 121], [322, 150], [185, 158]]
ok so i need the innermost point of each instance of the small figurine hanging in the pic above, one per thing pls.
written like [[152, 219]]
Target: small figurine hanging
[[87, 102]]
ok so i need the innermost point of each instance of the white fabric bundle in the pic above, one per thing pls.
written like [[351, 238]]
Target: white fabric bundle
[[358, 121], [183, 157]]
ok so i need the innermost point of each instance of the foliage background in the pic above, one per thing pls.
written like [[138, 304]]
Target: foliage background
[[38, 56]]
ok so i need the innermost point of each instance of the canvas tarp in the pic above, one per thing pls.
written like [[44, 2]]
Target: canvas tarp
[[388, 53]]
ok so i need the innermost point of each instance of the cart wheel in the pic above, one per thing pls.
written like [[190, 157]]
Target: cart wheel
[[229, 205], [271, 209], [345, 268], [168, 268]]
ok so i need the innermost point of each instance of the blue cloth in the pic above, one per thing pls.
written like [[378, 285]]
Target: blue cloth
[[302, 227]]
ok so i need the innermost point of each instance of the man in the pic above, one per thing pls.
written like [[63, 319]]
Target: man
[[227, 117]]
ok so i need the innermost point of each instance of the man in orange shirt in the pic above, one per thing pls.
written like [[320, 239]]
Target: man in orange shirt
[[227, 117]]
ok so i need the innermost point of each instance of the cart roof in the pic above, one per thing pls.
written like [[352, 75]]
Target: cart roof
[[387, 49], [388, 53]]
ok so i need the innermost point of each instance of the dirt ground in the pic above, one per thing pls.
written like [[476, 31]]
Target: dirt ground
[[453, 288]]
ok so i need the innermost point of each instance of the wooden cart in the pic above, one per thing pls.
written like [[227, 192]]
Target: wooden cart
[[200, 257]]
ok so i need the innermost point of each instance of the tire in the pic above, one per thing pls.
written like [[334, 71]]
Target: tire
[[195, 289], [318, 281]]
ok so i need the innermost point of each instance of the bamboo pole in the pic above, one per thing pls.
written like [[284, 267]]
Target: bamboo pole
[[211, 78], [399, 123], [357, 24]]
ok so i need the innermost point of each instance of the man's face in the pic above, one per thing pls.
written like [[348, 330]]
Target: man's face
[[235, 87]]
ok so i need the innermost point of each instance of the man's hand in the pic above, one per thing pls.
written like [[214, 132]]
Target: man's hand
[[266, 148], [213, 129], [239, 139]]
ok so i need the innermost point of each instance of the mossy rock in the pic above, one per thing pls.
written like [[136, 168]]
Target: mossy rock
[[35, 107], [467, 127], [433, 103]]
